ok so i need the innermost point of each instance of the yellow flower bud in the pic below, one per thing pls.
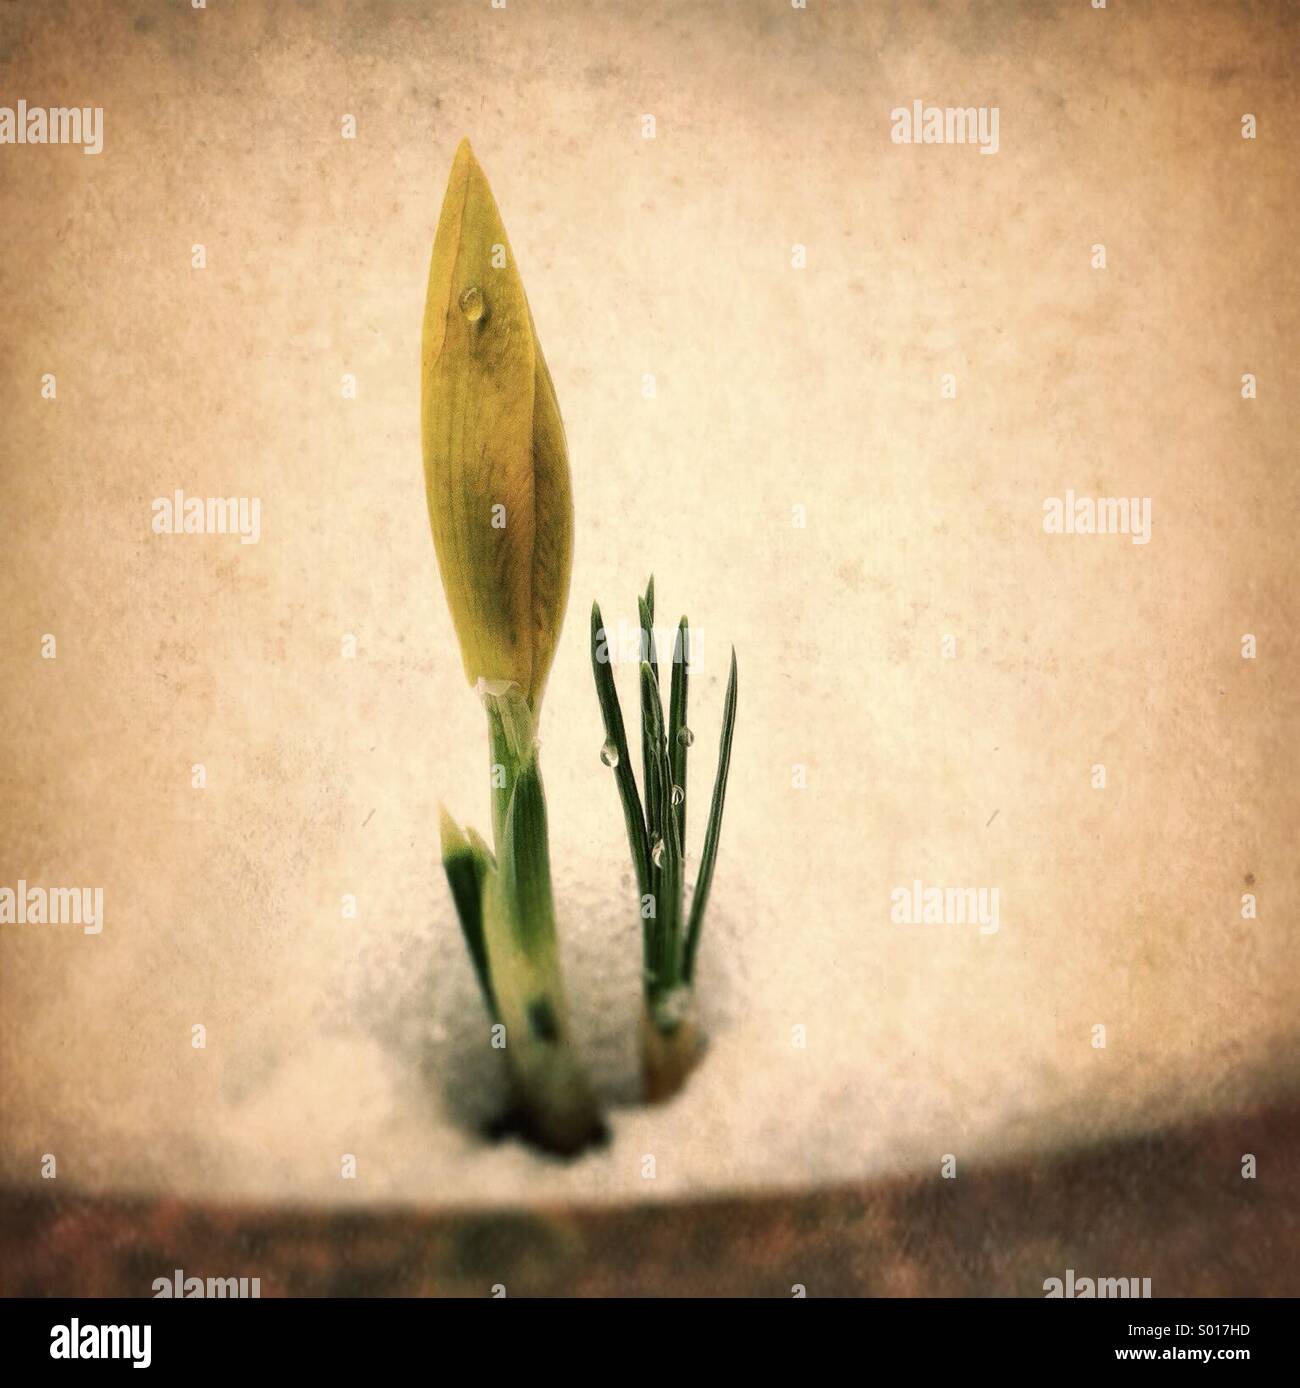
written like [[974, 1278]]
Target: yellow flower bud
[[496, 467]]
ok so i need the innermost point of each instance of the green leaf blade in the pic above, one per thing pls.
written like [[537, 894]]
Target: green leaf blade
[[467, 864], [677, 728], [651, 705], [714, 830], [616, 735]]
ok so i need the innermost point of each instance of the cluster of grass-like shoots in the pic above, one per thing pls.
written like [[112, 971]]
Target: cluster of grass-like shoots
[[656, 831]]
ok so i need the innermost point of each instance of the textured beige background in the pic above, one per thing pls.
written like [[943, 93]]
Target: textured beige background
[[775, 387]]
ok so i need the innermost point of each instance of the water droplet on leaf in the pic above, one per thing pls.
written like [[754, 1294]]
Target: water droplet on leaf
[[609, 754], [678, 795], [685, 736], [657, 853]]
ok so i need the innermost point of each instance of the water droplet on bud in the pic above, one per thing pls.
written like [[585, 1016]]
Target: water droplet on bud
[[609, 754], [472, 303]]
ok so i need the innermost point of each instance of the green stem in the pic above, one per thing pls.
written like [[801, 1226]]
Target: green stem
[[554, 1098]]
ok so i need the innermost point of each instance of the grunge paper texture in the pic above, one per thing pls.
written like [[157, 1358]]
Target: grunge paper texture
[[821, 384]]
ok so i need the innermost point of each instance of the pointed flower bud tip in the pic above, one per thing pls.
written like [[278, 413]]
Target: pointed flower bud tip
[[496, 464]]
